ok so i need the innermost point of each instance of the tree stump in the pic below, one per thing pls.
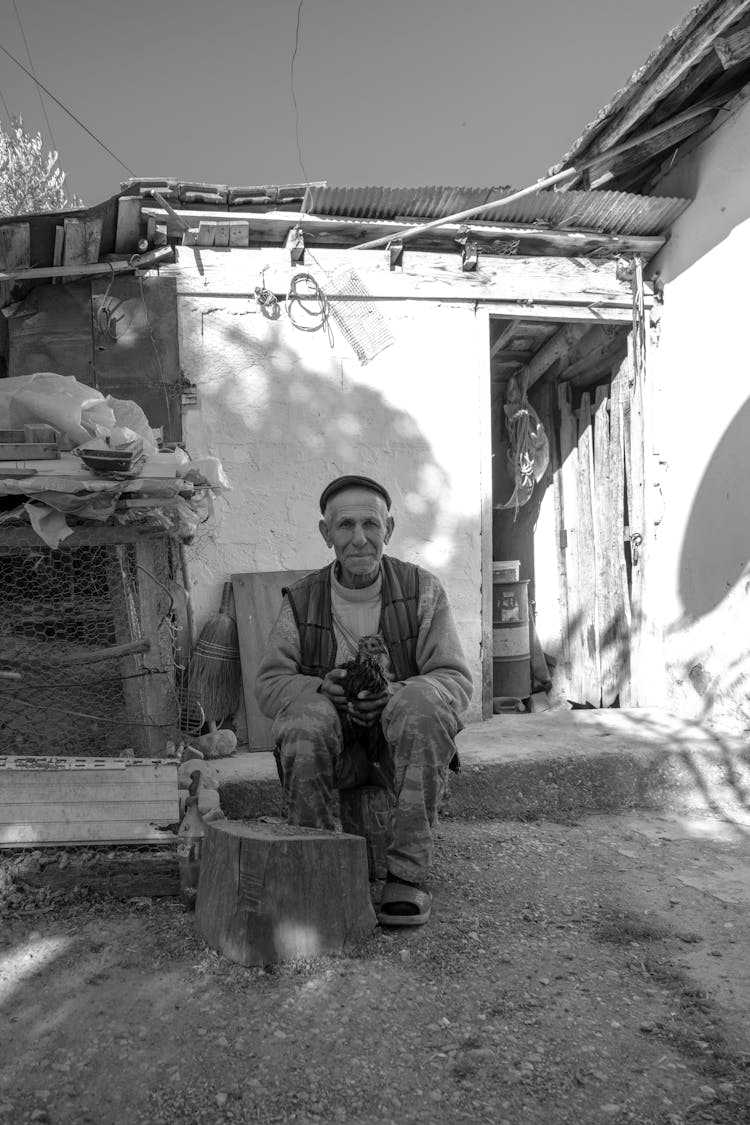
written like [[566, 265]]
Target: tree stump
[[275, 892]]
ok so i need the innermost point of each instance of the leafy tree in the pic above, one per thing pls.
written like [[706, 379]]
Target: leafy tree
[[29, 180]]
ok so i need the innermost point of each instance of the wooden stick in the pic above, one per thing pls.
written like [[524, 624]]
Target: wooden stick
[[41, 654], [137, 262], [170, 210]]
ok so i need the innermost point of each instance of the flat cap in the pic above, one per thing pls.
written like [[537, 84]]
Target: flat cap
[[341, 483]]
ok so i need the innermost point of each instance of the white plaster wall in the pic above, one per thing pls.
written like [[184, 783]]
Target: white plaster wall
[[286, 412], [701, 402]]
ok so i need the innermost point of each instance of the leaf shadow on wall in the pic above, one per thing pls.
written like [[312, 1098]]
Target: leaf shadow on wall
[[289, 425], [311, 426]]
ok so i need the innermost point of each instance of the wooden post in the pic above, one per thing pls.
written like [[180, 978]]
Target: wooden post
[[568, 490], [484, 376], [123, 619], [159, 693], [613, 611], [274, 892], [587, 556]]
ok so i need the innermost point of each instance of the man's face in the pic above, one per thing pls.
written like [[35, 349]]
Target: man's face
[[357, 525]]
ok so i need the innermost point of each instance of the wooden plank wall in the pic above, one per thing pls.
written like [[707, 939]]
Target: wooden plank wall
[[52, 801], [598, 486], [587, 556], [635, 470], [566, 492], [613, 606]]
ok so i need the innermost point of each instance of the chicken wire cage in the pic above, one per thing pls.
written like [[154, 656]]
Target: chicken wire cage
[[87, 646]]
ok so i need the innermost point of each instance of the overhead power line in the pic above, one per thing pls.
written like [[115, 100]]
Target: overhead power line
[[33, 71], [66, 110], [5, 107], [291, 83]]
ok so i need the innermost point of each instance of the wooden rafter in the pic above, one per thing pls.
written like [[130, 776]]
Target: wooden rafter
[[274, 225], [556, 348], [734, 48], [505, 336], [650, 149], [695, 46]]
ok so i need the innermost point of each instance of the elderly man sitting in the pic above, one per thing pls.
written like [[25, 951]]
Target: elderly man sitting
[[403, 730]]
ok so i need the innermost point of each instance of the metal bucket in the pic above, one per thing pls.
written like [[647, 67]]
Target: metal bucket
[[511, 664]]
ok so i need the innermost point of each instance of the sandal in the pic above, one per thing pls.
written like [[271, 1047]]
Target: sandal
[[403, 893]]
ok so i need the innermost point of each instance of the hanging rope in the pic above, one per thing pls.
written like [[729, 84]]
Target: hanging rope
[[305, 298]]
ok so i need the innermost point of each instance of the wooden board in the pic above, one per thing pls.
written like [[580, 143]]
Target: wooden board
[[14, 253], [567, 484], [152, 606], [82, 239], [621, 597], [257, 601], [587, 552], [129, 224], [484, 376], [206, 272], [50, 800], [274, 226], [633, 441], [613, 612]]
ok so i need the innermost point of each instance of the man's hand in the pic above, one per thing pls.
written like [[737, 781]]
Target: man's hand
[[367, 708], [332, 687]]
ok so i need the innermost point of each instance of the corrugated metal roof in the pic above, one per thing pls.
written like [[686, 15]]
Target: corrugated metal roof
[[612, 212]]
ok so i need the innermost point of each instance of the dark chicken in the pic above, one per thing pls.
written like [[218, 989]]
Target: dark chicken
[[365, 673]]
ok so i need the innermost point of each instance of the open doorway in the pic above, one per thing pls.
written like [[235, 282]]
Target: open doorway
[[574, 534]]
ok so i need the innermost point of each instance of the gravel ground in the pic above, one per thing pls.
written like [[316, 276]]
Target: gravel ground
[[571, 974]]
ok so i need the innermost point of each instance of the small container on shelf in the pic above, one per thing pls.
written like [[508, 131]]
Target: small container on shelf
[[508, 570]]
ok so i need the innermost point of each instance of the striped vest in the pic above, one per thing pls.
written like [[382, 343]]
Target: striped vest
[[310, 599]]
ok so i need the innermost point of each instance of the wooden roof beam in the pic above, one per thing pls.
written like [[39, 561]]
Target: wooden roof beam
[[506, 334], [695, 46], [276, 224], [650, 149], [556, 348], [596, 364], [733, 49]]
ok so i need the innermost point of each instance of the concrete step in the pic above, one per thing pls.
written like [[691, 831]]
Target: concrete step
[[558, 764]]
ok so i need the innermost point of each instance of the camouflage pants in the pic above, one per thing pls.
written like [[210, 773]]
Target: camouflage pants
[[419, 730]]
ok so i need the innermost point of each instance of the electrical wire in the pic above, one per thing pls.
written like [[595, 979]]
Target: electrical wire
[[5, 107], [65, 108], [294, 96], [33, 71]]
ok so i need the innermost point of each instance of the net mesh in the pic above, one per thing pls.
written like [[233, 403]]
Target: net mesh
[[61, 690], [361, 322]]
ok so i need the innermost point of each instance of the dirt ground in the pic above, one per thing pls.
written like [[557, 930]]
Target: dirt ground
[[580, 973]]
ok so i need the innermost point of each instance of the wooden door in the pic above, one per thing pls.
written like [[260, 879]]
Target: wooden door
[[598, 476]]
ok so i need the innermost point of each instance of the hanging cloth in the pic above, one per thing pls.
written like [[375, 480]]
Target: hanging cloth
[[528, 447]]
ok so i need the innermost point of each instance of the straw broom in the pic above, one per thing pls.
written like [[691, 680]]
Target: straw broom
[[214, 675]]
